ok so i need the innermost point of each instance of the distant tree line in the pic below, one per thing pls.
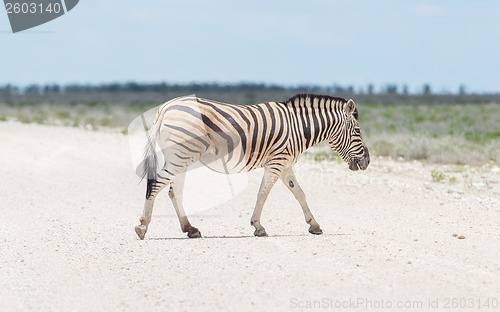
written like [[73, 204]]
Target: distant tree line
[[162, 87]]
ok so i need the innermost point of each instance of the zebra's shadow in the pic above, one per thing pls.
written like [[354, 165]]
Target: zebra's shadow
[[245, 236]]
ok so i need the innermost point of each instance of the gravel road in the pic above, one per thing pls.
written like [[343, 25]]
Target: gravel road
[[70, 199]]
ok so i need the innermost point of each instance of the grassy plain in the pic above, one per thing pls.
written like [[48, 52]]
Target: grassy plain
[[455, 133], [439, 129]]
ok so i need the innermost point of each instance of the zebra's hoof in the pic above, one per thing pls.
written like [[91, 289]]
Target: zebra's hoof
[[141, 231], [194, 233], [260, 233], [316, 230]]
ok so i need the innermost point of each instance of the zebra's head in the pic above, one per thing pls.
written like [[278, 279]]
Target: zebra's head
[[347, 140]]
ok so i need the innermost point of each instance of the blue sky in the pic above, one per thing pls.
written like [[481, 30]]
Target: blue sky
[[444, 43]]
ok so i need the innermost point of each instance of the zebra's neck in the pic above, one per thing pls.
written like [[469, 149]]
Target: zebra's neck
[[316, 118]]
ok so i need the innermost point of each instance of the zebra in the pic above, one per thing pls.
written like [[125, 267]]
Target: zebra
[[269, 135]]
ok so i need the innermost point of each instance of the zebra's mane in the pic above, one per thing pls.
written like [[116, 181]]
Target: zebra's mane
[[312, 97]]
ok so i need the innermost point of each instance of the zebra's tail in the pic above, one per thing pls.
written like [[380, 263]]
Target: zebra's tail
[[150, 162]]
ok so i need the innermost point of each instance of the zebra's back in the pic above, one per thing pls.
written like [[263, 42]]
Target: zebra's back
[[227, 138]]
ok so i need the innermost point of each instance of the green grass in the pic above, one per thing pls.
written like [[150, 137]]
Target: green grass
[[437, 176], [409, 130], [474, 121], [323, 155], [93, 115], [456, 133]]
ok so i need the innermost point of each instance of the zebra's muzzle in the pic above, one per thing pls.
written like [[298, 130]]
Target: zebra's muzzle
[[354, 165], [361, 163], [365, 160]]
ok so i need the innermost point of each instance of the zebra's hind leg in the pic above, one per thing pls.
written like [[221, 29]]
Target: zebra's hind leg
[[288, 178], [162, 180], [175, 194], [271, 175]]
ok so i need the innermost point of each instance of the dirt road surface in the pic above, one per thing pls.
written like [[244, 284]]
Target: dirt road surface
[[70, 199]]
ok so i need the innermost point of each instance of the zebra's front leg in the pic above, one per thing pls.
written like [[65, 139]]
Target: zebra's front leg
[[160, 183], [288, 177], [271, 175], [175, 194]]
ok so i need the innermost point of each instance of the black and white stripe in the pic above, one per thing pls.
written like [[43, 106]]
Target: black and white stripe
[[231, 138]]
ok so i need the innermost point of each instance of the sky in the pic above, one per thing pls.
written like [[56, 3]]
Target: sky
[[315, 42]]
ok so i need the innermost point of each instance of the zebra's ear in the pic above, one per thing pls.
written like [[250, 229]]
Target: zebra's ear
[[349, 108]]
